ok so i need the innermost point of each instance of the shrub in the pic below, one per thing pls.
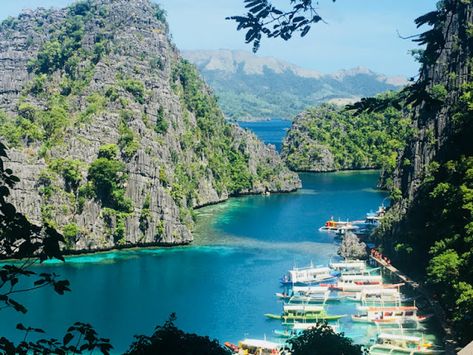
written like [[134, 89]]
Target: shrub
[[70, 171], [136, 88], [70, 232], [107, 176], [108, 151], [161, 123]]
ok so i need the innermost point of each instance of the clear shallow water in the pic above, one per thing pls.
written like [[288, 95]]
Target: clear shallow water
[[223, 284], [270, 132]]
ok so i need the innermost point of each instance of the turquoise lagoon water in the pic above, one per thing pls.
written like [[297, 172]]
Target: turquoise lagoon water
[[271, 132], [221, 285]]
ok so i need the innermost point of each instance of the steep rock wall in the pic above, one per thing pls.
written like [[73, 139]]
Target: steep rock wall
[[101, 75]]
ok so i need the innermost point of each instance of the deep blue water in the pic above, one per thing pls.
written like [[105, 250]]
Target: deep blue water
[[271, 132], [222, 285]]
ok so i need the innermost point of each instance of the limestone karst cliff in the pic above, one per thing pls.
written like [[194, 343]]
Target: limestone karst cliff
[[429, 229], [331, 138], [115, 138]]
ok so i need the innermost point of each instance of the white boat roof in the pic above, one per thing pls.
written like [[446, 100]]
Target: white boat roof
[[262, 344], [310, 289], [348, 264], [318, 269], [391, 308], [380, 291], [361, 278], [399, 337], [303, 307]]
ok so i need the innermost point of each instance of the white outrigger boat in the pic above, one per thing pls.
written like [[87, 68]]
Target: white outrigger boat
[[308, 294], [355, 283], [377, 296], [340, 227], [389, 315], [302, 308], [311, 290], [404, 344], [348, 265], [366, 272], [307, 275]]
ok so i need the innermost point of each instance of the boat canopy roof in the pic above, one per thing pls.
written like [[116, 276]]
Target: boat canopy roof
[[380, 291], [348, 262], [260, 344], [310, 289], [399, 337], [393, 309], [361, 278], [303, 307], [314, 270]]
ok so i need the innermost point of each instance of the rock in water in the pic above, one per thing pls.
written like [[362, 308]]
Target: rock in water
[[115, 138]]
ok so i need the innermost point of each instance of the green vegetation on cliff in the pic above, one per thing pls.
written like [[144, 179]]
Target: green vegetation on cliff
[[429, 230], [328, 138], [437, 231], [115, 133]]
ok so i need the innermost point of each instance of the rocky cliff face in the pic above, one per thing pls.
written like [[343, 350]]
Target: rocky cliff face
[[302, 152], [115, 138], [446, 68], [429, 229]]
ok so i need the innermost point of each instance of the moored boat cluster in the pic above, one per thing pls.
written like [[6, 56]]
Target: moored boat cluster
[[381, 308], [308, 291]]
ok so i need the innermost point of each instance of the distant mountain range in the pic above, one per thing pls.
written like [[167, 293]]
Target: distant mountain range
[[256, 88]]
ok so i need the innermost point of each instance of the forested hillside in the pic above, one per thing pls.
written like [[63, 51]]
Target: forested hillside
[[116, 138], [252, 88], [330, 138]]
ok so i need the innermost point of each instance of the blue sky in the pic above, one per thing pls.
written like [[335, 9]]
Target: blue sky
[[357, 33]]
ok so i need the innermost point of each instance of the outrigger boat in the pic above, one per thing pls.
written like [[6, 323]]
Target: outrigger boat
[[366, 272], [307, 275], [303, 312], [308, 294], [357, 282], [339, 227], [389, 315], [378, 295], [348, 265], [313, 299], [303, 308], [393, 343], [310, 290], [371, 221]]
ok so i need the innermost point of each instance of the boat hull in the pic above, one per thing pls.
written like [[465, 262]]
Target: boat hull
[[304, 317], [285, 282], [308, 299], [387, 322]]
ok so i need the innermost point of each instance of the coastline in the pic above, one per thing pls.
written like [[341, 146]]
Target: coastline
[[338, 170], [164, 245]]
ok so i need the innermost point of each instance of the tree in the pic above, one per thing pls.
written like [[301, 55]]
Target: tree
[[265, 19], [323, 340], [30, 244], [352, 248], [169, 340]]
